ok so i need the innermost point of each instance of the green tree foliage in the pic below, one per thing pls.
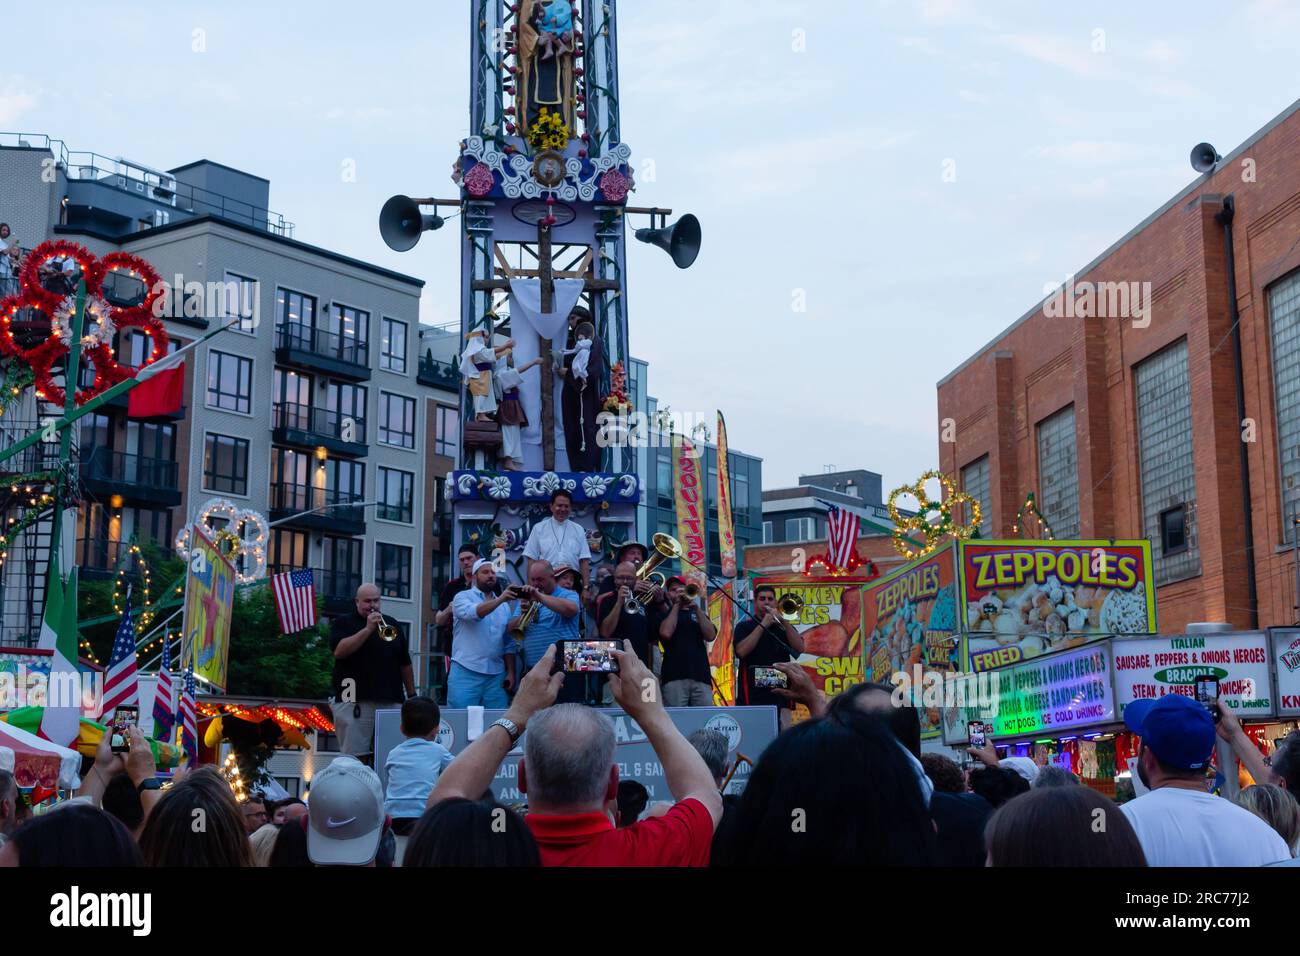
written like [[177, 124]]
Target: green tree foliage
[[266, 663]]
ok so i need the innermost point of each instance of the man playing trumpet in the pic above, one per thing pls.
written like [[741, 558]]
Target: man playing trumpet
[[761, 641], [686, 633], [369, 673], [556, 620]]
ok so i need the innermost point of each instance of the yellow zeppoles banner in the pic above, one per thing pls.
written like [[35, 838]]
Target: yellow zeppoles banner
[[1022, 599], [209, 606], [726, 527], [722, 658], [691, 530]]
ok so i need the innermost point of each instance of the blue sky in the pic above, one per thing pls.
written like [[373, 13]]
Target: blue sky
[[809, 137]]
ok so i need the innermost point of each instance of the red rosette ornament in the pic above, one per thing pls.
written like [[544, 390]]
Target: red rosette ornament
[[614, 185]]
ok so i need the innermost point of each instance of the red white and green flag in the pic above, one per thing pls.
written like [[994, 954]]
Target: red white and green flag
[[61, 717]]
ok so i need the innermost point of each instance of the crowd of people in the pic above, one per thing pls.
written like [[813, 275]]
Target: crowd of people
[[850, 785]]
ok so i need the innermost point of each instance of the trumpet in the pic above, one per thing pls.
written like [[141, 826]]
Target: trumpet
[[790, 608], [693, 591], [527, 616], [387, 630]]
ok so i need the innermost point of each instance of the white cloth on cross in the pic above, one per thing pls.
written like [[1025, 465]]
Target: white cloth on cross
[[526, 303]]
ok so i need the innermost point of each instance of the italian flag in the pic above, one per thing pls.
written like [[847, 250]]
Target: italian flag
[[62, 724]]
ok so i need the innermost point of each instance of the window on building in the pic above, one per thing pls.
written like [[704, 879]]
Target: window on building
[[136, 348], [1164, 433], [225, 464], [664, 474], [800, 529], [1058, 473], [392, 345], [448, 431], [1173, 530], [289, 549], [239, 300], [349, 324], [230, 382], [393, 570], [396, 420], [975, 482], [341, 575], [1284, 328], [396, 495], [739, 472], [345, 402], [295, 309], [767, 532]]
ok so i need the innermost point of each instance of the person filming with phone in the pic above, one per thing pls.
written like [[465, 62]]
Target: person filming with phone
[[760, 644], [481, 649]]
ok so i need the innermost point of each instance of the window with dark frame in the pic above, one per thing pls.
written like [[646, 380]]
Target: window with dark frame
[[392, 345], [1173, 530], [225, 464], [239, 300], [230, 382], [448, 433], [393, 570], [396, 420], [396, 495]]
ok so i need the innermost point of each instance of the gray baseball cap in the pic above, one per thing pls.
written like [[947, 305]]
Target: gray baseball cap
[[345, 810]]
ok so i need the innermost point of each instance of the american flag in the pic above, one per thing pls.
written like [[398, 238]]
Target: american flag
[[164, 700], [121, 682], [841, 534], [295, 600], [189, 720]]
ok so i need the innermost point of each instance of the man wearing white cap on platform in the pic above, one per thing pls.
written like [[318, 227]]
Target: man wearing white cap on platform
[[345, 811], [482, 652]]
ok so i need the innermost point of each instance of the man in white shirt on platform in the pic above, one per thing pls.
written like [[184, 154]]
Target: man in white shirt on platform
[[559, 540], [1180, 823]]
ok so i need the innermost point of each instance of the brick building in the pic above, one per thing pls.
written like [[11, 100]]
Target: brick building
[[1128, 425]]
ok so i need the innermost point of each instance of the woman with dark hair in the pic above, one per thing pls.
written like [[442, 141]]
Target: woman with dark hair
[[291, 845], [77, 834], [172, 837], [1062, 826], [461, 832], [832, 792]]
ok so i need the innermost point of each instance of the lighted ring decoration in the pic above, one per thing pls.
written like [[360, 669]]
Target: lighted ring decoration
[[245, 533], [100, 323]]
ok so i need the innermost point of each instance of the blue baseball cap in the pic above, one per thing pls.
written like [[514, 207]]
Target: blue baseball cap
[[1178, 730]]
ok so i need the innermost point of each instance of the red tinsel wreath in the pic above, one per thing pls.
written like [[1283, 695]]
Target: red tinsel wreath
[[93, 270]]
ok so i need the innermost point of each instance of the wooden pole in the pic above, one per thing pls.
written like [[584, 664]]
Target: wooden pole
[[544, 348]]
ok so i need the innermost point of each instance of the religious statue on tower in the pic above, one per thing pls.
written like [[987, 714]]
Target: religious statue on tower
[[476, 364], [584, 368], [546, 45], [511, 414]]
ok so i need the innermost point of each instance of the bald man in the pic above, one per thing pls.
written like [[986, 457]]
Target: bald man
[[369, 673]]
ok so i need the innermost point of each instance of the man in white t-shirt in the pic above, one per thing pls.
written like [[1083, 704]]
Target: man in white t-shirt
[[1180, 823], [560, 540]]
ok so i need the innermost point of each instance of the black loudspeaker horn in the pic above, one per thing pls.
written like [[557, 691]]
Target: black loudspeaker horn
[[681, 240], [401, 223], [1204, 157]]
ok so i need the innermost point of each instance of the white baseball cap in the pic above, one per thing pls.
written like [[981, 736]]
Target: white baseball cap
[[345, 810]]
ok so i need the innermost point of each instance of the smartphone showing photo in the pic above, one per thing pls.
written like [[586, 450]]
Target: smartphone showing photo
[[770, 677], [1207, 693], [975, 734], [588, 657], [123, 717]]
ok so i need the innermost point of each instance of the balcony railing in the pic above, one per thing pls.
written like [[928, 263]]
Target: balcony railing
[[332, 510], [437, 374], [320, 422], [322, 343], [100, 464], [100, 554]]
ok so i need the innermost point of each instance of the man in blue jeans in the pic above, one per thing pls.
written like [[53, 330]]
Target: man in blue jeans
[[481, 649]]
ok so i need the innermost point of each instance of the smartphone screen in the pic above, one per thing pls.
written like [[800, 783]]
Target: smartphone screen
[[123, 717], [975, 733], [589, 657], [770, 677], [1207, 693]]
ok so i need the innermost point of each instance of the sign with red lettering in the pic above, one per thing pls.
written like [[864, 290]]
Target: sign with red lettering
[[1149, 668], [1286, 664], [1022, 599]]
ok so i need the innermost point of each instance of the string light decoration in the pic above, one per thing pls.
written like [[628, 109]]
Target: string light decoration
[[230, 770], [33, 492], [244, 535], [146, 611], [101, 322], [933, 531], [17, 377], [1030, 510], [822, 566]]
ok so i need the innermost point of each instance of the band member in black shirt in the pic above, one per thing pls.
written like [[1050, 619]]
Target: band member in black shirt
[[769, 640], [369, 673], [686, 632]]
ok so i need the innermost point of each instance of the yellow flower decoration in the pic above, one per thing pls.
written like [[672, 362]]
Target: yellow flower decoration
[[933, 531]]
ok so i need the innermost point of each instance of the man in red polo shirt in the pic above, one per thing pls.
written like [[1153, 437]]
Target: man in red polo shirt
[[570, 774]]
